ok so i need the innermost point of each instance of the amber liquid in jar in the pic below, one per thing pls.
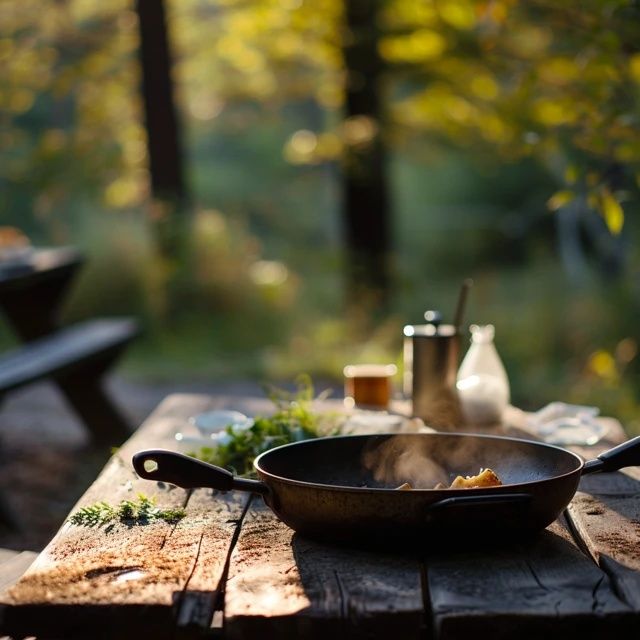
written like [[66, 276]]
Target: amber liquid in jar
[[368, 385]]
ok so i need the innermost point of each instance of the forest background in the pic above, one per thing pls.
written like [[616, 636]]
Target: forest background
[[512, 155]]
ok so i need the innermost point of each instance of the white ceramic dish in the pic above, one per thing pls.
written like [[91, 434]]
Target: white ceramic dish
[[210, 422]]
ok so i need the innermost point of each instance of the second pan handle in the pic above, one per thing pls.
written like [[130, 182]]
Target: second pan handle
[[626, 454], [190, 473]]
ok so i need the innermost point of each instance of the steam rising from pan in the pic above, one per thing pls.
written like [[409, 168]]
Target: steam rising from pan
[[394, 462], [422, 462]]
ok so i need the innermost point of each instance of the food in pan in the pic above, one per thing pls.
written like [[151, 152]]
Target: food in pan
[[486, 478]]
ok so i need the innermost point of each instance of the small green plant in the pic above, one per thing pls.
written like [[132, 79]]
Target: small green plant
[[141, 511], [292, 421]]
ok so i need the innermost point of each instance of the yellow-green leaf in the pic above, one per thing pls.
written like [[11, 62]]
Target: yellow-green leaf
[[459, 14], [634, 67], [602, 363], [571, 174], [560, 199], [612, 212]]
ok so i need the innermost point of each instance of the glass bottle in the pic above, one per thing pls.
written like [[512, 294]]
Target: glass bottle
[[482, 383]]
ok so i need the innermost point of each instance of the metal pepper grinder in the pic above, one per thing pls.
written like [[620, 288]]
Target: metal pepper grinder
[[431, 358]]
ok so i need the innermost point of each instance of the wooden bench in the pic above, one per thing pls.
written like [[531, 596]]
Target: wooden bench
[[76, 357], [64, 352]]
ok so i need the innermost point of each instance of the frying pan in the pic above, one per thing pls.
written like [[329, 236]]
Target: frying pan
[[343, 489]]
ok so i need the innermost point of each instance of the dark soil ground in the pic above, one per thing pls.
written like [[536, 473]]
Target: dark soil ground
[[47, 461]]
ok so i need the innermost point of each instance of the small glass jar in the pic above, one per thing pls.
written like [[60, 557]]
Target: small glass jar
[[368, 385]]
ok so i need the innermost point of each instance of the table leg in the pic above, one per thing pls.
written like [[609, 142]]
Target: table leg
[[8, 517], [96, 410], [85, 392]]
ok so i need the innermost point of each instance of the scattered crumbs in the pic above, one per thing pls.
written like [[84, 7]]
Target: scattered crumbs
[[621, 546]]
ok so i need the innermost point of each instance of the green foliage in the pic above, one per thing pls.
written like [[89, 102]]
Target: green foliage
[[554, 81], [71, 130], [94, 515], [141, 511], [292, 421]]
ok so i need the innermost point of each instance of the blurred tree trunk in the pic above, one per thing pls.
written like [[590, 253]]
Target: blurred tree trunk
[[161, 121], [366, 196]]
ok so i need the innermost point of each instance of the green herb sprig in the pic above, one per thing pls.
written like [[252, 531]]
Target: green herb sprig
[[141, 511], [292, 421]]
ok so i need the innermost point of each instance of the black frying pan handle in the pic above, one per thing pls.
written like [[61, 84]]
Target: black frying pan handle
[[190, 473], [626, 454], [511, 499]]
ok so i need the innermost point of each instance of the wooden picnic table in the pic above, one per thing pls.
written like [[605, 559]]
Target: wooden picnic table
[[76, 357], [32, 291], [230, 569]]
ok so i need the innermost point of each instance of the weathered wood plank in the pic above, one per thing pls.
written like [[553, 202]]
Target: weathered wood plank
[[124, 579], [312, 590], [175, 572], [221, 516], [604, 517], [546, 586], [609, 528], [620, 483]]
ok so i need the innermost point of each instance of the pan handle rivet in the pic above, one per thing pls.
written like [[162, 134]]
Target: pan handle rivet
[[150, 466]]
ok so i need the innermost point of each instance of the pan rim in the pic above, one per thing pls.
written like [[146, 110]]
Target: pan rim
[[507, 488]]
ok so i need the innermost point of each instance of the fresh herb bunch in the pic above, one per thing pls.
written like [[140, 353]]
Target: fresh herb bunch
[[292, 421], [141, 511]]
